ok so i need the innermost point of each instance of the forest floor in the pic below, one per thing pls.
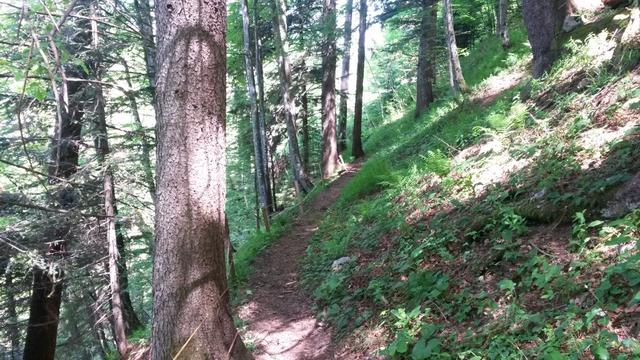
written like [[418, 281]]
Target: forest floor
[[281, 322]]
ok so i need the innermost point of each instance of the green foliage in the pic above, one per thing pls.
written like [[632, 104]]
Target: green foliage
[[369, 179]]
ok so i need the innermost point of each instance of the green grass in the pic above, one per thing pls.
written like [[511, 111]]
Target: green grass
[[434, 258]]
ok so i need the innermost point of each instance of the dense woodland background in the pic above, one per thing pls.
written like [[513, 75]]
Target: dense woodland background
[[474, 130]]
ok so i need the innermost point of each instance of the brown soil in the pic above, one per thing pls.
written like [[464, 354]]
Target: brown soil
[[281, 322]]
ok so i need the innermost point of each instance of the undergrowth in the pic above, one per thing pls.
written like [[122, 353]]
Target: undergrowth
[[495, 231]]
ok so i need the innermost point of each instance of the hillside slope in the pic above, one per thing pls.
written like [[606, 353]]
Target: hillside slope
[[500, 225]]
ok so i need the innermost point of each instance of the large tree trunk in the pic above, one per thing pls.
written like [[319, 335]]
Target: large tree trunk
[[328, 97], [191, 314], [426, 77], [264, 141], [260, 176], [455, 71], [301, 179], [356, 146], [502, 27], [344, 79], [543, 19]]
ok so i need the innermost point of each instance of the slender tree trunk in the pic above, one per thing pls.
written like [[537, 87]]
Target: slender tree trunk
[[457, 80], [328, 97], [344, 79], [260, 176], [503, 23], [13, 333], [357, 151], [426, 57], [264, 140], [144, 20], [301, 179], [144, 142], [48, 281], [191, 315], [89, 298], [306, 137], [543, 19], [117, 260]]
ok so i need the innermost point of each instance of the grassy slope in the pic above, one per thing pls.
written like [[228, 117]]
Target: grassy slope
[[476, 231]]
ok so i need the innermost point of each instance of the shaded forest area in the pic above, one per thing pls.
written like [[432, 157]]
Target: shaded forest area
[[150, 152]]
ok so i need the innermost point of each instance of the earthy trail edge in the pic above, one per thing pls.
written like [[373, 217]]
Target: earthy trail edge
[[281, 322]]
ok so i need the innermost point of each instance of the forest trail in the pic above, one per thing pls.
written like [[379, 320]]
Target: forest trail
[[281, 322]]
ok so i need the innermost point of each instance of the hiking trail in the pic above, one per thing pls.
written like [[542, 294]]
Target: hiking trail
[[281, 323]]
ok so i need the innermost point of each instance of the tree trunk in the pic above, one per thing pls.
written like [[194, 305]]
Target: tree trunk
[[264, 141], [457, 80], [301, 179], [344, 79], [48, 281], [503, 23], [115, 240], [356, 147], [144, 20], [306, 137], [328, 97], [426, 57], [144, 143], [191, 315], [13, 333], [260, 176], [543, 19]]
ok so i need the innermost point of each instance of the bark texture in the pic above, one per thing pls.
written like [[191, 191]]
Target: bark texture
[[426, 76], [328, 97], [191, 315], [301, 179], [344, 79], [543, 19], [356, 146]]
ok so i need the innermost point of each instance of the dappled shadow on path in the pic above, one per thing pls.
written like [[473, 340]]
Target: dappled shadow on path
[[281, 322]]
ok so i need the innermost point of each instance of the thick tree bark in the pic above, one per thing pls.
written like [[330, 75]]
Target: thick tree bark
[[301, 179], [264, 141], [344, 79], [260, 176], [144, 20], [426, 77], [455, 71], [191, 314], [502, 27], [328, 97], [543, 19], [356, 146]]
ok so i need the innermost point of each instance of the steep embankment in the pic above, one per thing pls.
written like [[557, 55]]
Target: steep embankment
[[498, 226], [281, 324]]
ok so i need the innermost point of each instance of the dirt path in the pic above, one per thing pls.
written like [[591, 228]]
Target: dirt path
[[281, 322]]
